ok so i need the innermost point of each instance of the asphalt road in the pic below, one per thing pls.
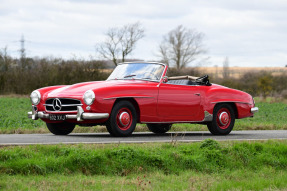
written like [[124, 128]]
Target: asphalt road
[[191, 136]]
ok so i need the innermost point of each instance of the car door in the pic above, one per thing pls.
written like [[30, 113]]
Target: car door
[[178, 102]]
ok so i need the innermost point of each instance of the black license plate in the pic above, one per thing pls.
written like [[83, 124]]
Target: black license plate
[[57, 117]]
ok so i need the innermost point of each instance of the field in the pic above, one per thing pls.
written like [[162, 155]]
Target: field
[[13, 115], [208, 165], [237, 72]]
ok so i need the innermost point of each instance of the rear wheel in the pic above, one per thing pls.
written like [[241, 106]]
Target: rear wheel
[[159, 128], [223, 120], [60, 128], [123, 119]]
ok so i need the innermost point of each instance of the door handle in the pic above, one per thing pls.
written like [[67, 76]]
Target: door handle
[[198, 94]]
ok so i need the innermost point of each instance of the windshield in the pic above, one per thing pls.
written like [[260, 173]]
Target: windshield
[[143, 71]]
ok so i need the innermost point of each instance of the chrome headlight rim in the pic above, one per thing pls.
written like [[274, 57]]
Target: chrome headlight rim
[[37, 93], [89, 94]]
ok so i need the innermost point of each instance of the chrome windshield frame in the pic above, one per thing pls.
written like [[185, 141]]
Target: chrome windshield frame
[[141, 62]]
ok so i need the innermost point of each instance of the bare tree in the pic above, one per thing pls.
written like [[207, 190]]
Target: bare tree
[[226, 72], [181, 46], [120, 42], [5, 60]]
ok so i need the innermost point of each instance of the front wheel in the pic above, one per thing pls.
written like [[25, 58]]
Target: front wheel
[[61, 128], [123, 119], [223, 120], [159, 128]]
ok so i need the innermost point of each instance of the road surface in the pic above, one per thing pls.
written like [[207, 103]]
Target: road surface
[[144, 137]]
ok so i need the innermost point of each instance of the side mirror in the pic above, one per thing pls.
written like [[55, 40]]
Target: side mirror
[[165, 79]]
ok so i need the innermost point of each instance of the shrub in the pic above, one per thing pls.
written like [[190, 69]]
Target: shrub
[[284, 94], [37, 73], [264, 83]]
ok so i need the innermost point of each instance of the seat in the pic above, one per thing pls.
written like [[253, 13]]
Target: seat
[[189, 80], [181, 82]]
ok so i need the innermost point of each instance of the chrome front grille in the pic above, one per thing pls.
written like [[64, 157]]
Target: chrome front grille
[[62, 104]]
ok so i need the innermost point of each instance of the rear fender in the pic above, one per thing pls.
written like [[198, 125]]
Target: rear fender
[[240, 101]]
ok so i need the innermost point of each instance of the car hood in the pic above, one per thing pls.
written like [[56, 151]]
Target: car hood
[[78, 90]]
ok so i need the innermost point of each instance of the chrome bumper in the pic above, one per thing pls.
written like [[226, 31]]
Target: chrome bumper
[[254, 109], [80, 116]]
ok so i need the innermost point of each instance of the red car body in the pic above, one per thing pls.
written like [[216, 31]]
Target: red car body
[[155, 102]]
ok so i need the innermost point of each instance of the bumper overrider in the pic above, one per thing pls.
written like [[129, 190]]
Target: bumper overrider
[[80, 116]]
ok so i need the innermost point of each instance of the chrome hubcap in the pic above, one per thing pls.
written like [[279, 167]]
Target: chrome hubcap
[[224, 118], [124, 119]]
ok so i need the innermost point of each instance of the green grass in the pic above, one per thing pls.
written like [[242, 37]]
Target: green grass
[[207, 165], [270, 116], [13, 118], [265, 179]]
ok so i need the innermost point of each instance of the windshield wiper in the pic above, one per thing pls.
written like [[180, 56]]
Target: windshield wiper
[[128, 76], [146, 78]]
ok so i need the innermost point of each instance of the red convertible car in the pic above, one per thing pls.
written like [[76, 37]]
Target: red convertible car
[[140, 92]]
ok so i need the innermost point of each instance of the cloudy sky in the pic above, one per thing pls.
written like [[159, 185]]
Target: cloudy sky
[[248, 32]]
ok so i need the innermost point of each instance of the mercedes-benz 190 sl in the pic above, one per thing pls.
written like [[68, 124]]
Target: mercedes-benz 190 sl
[[140, 92]]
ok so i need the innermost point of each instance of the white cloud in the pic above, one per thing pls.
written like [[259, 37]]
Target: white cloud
[[250, 33]]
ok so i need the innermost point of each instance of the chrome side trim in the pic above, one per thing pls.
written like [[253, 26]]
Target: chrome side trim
[[254, 110], [128, 97], [231, 102], [80, 116]]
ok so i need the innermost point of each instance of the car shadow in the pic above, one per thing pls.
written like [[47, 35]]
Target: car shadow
[[148, 134]]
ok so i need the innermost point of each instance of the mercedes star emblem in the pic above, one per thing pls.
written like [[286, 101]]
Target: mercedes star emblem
[[57, 105]]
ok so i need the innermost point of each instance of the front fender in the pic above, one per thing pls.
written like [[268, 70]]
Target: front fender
[[44, 92]]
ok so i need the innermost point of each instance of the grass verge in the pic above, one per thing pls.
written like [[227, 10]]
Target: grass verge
[[265, 179], [207, 165]]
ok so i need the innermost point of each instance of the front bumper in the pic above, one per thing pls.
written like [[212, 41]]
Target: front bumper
[[80, 116], [254, 109]]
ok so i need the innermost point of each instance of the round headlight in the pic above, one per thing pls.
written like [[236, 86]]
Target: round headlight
[[89, 97], [35, 97]]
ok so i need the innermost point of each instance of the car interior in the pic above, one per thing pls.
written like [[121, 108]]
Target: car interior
[[189, 80]]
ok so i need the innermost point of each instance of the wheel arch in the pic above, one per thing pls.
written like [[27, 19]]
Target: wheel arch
[[134, 102], [232, 104]]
